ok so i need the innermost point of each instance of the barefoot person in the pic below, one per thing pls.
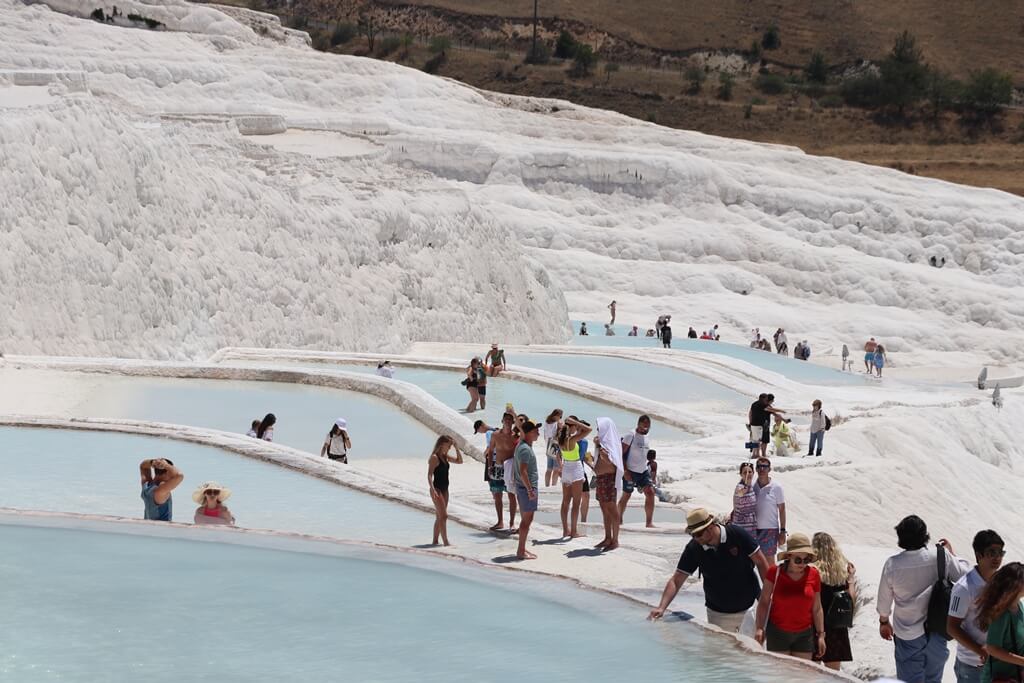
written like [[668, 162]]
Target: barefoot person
[[494, 361], [526, 484], [609, 469], [337, 443], [729, 562], [570, 463], [611, 307], [211, 496], [159, 478], [437, 477], [501, 446], [552, 426], [472, 382], [637, 474]]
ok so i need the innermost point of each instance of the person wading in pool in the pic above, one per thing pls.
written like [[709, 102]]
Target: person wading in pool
[[526, 484], [500, 448], [637, 475], [159, 478], [494, 361], [437, 477]]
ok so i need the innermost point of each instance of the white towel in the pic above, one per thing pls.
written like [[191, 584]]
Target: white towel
[[608, 435]]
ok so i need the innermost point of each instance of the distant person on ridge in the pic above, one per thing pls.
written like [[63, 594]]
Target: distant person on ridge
[[337, 443], [611, 307], [159, 478], [633, 332], [609, 331], [583, 330], [666, 336], [384, 369], [869, 354], [691, 333], [265, 431]]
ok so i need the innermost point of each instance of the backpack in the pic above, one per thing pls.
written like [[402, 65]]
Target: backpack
[[840, 611], [938, 601], [828, 423]]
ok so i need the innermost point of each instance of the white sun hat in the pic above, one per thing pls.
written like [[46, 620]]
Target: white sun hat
[[198, 495]]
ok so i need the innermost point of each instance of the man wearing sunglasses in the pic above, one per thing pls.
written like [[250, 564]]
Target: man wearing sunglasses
[[962, 621], [159, 478], [726, 556], [771, 510]]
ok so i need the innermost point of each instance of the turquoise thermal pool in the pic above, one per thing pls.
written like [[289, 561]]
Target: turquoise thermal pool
[[106, 601]]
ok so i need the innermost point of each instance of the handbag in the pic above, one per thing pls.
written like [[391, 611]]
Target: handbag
[[938, 601], [840, 610]]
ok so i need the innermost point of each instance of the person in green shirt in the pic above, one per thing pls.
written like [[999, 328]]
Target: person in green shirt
[[999, 611]]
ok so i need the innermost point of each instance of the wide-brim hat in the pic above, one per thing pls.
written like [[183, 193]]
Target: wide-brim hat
[[198, 495], [697, 520], [798, 544]]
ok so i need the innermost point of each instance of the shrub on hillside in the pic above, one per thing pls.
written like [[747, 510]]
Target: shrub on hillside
[[754, 53], [584, 61], [831, 101], [903, 75], [985, 94], [695, 77], [565, 46], [440, 45], [862, 91], [539, 54], [770, 39], [941, 92], [817, 69], [343, 33], [725, 84], [770, 84], [434, 64], [609, 69], [388, 45]]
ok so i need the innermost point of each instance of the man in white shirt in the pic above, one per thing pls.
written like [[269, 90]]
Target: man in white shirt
[[771, 510], [962, 621], [637, 473], [907, 580]]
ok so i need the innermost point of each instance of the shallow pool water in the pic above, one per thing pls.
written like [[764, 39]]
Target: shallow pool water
[[63, 470], [797, 370], [304, 413], [535, 400], [167, 607], [656, 382]]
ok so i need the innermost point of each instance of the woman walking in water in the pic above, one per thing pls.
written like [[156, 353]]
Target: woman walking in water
[[879, 359], [571, 465], [437, 477], [472, 384]]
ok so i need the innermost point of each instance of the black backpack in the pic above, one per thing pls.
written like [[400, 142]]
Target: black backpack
[[938, 602], [840, 610], [828, 423]]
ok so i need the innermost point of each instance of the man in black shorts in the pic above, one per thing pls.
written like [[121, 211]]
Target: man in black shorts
[[759, 423]]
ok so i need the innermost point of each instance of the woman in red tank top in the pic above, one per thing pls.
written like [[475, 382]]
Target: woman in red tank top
[[789, 613], [211, 496]]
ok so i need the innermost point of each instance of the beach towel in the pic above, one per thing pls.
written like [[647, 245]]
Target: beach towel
[[608, 433]]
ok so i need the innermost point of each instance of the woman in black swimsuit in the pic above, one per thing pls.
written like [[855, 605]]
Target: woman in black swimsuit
[[472, 383], [437, 477]]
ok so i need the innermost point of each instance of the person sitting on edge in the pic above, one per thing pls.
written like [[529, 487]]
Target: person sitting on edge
[[252, 430], [159, 478], [384, 369], [729, 561], [495, 360], [633, 332], [210, 497], [691, 333], [583, 330]]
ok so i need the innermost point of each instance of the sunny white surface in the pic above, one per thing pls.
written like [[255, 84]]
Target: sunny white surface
[[219, 245]]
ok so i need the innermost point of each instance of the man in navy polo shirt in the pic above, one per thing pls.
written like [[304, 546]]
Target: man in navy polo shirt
[[726, 556]]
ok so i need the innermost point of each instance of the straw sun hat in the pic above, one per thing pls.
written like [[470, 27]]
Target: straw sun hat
[[697, 520], [798, 544], [197, 495]]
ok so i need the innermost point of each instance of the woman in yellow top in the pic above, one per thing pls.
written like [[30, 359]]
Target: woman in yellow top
[[784, 438], [571, 465]]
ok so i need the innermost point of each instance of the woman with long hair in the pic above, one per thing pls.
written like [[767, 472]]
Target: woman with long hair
[[266, 429], [437, 477], [838, 575], [552, 425], [789, 611], [744, 501], [337, 444], [570, 464], [472, 384], [999, 611]]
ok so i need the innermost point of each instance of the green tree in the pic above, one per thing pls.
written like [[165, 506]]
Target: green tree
[[817, 68], [565, 46], [539, 54], [941, 92], [369, 27], [695, 77], [725, 84], [343, 33], [609, 69], [904, 74], [754, 53], [986, 93], [583, 62], [770, 39], [439, 45]]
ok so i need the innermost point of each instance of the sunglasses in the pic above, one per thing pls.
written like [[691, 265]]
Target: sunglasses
[[993, 553], [764, 467], [800, 560], [212, 492]]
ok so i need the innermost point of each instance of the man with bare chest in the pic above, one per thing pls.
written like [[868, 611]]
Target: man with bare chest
[[498, 470]]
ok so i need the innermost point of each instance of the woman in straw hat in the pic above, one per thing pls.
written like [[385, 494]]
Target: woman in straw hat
[[210, 497], [789, 614]]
